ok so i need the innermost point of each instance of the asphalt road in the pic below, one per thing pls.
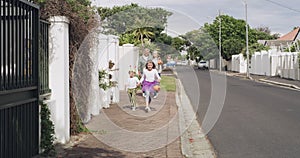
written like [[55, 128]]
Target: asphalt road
[[257, 120]]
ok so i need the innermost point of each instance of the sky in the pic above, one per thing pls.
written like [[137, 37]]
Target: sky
[[281, 16]]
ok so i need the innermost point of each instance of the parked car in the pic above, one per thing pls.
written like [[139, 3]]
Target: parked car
[[203, 65]]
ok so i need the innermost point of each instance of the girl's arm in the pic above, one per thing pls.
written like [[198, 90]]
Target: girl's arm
[[137, 81], [157, 75], [142, 78]]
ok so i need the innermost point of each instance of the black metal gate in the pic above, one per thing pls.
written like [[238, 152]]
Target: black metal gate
[[19, 83]]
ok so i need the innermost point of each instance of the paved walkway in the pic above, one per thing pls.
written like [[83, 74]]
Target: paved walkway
[[170, 130], [120, 132]]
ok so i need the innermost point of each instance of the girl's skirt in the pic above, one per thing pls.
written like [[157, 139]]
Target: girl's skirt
[[148, 86]]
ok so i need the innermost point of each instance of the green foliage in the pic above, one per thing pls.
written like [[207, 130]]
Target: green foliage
[[47, 132], [193, 52], [178, 43], [205, 44], [105, 12], [233, 34], [255, 47], [133, 18], [294, 47], [142, 32], [163, 38], [103, 76], [81, 128], [231, 47], [128, 38], [260, 34], [69, 8], [104, 80]]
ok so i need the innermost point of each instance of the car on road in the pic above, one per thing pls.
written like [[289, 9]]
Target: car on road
[[203, 65], [171, 63]]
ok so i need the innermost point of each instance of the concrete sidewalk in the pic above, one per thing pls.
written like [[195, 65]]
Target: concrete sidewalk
[[170, 130], [120, 132]]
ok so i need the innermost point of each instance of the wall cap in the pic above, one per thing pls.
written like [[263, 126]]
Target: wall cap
[[59, 19]]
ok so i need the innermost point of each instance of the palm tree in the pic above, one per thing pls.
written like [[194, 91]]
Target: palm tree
[[141, 30]]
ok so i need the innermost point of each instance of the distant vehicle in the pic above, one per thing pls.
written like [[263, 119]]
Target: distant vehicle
[[171, 64], [182, 62], [203, 65]]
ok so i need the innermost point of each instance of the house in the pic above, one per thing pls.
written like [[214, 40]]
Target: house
[[283, 42]]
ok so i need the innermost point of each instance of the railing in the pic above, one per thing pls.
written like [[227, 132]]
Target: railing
[[17, 61], [19, 81], [44, 57]]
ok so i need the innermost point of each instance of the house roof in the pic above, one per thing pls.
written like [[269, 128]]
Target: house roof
[[291, 35], [283, 43]]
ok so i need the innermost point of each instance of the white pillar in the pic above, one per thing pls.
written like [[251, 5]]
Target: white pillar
[[59, 77]]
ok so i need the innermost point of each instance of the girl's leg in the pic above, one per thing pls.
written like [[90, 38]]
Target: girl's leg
[[129, 95], [133, 98], [129, 92], [148, 100]]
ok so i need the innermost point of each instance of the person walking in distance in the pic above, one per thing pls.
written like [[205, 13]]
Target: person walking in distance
[[131, 88], [157, 67], [149, 79], [142, 62]]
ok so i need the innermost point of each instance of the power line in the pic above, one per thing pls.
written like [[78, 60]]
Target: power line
[[284, 6]]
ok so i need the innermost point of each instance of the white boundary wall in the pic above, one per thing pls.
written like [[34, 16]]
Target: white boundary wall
[[59, 103], [109, 50], [269, 63], [129, 56], [238, 63]]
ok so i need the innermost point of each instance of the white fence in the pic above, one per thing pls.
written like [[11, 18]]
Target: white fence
[[129, 56], [109, 51], [238, 64], [269, 63]]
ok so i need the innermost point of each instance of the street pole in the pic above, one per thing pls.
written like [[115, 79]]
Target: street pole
[[247, 48], [220, 44]]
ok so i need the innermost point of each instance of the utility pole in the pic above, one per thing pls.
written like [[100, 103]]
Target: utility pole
[[220, 40], [247, 48]]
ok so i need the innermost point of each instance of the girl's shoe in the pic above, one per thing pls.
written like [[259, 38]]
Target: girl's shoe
[[147, 108], [133, 108]]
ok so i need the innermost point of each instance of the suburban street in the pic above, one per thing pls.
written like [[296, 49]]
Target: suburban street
[[257, 120]]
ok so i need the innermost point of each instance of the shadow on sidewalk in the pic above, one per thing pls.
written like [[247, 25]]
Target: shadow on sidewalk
[[92, 152]]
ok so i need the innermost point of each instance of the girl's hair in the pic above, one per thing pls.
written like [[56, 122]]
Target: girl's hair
[[150, 61]]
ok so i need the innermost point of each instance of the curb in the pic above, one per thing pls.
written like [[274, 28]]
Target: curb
[[280, 84], [194, 143], [267, 81]]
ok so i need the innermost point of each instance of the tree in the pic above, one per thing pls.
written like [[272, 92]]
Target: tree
[[204, 43], [255, 47], [127, 38], [232, 46], [141, 32], [193, 52], [164, 39], [178, 43], [233, 34], [128, 18]]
